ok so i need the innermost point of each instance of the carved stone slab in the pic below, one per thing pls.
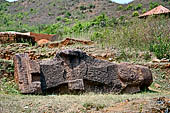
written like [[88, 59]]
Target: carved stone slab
[[74, 70]]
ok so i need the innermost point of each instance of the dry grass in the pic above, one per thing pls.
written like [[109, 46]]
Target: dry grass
[[66, 103]]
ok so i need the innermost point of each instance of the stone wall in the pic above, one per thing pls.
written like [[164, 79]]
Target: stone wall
[[16, 38]]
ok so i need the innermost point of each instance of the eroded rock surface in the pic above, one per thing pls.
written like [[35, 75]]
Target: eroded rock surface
[[73, 70]]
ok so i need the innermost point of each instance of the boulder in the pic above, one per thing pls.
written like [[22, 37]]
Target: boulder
[[74, 71]]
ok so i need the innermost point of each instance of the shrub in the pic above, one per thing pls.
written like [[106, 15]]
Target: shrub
[[129, 7], [54, 4], [67, 14], [101, 20], [67, 20], [110, 1], [4, 6], [139, 6], [52, 29], [50, 14], [91, 6], [120, 7], [144, 10], [78, 27], [20, 16], [58, 18], [161, 48], [90, 10], [135, 13], [153, 5], [31, 9], [112, 22], [8, 87], [83, 7], [121, 18]]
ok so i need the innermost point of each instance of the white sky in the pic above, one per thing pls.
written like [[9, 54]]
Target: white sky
[[11, 0], [122, 1], [117, 1]]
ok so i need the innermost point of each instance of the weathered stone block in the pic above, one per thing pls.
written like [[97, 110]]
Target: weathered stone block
[[74, 70], [27, 74]]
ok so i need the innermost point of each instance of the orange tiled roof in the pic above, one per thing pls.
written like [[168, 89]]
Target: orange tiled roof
[[158, 10]]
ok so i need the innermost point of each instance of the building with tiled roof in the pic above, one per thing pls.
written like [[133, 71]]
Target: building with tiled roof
[[156, 11]]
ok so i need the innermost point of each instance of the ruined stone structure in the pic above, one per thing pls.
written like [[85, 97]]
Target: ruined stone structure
[[29, 37], [73, 71], [69, 41], [15, 37]]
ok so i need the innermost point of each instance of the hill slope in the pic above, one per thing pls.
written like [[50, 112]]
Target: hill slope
[[50, 11]]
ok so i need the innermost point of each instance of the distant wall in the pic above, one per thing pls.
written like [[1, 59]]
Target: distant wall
[[16, 38]]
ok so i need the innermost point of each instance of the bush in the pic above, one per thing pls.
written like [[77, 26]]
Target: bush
[[144, 10], [129, 7], [139, 6], [161, 48], [135, 13], [8, 87], [83, 7], [100, 21], [58, 18], [67, 14], [20, 16], [153, 5], [31, 10], [81, 27], [4, 6], [120, 7], [91, 6], [52, 29], [50, 14]]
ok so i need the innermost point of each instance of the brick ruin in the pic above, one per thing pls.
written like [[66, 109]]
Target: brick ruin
[[31, 38], [74, 71], [16, 38]]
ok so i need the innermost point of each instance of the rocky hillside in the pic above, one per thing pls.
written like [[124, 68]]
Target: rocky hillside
[[50, 11]]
